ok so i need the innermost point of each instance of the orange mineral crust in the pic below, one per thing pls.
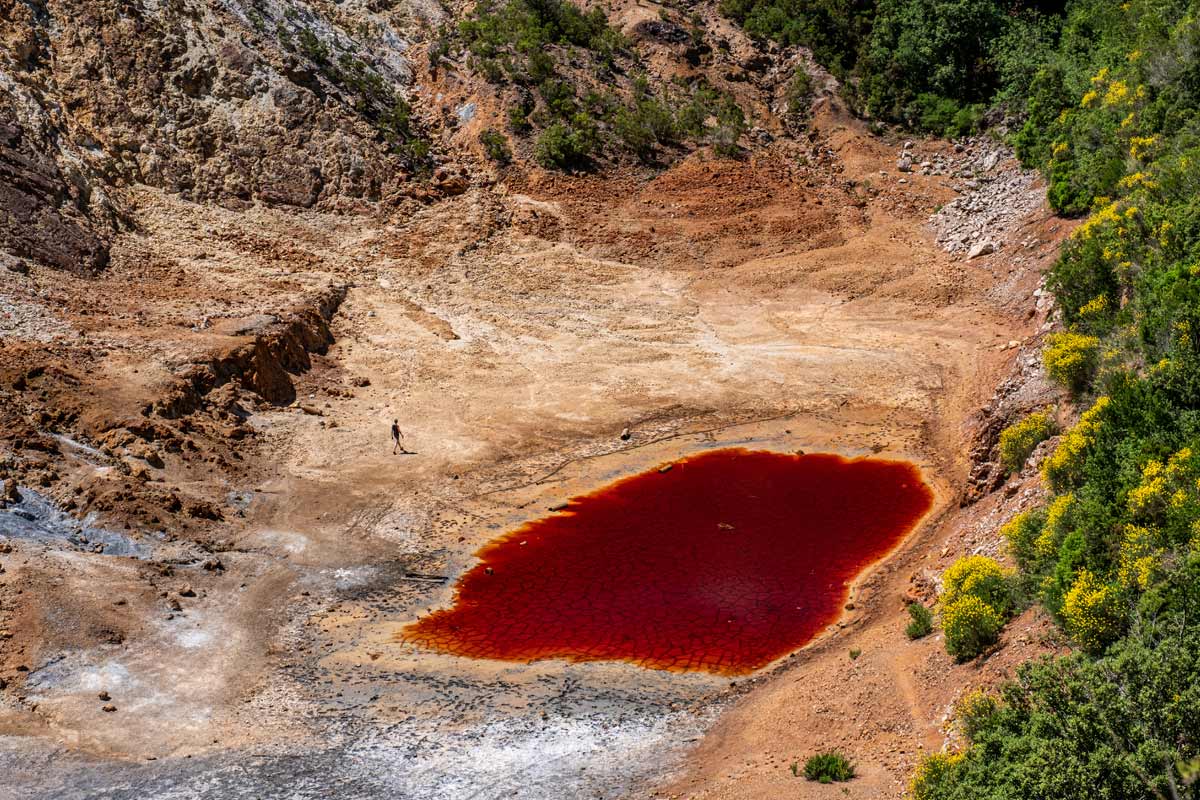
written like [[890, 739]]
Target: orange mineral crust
[[723, 563]]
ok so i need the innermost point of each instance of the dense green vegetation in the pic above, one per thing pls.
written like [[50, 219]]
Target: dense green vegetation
[[1110, 97], [933, 65], [580, 109], [1104, 98]]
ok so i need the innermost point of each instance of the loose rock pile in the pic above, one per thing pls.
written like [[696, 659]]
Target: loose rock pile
[[996, 195]]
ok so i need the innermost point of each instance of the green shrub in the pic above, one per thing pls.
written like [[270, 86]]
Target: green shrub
[[646, 123], [828, 767], [1018, 440], [920, 623], [495, 146], [563, 146], [971, 625], [518, 119], [799, 93], [1022, 533], [731, 124]]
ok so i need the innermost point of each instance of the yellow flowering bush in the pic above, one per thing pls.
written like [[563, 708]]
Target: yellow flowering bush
[[1148, 495], [978, 576], [1056, 525], [972, 711], [970, 626], [1022, 533], [1061, 468], [1089, 99], [1137, 179], [1138, 558], [930, 774], [1018, 440], [1167, 490], [1090, 612], [1106, 212], [1117, 92], [1070, 358], [1140, 146], [1094, 307]]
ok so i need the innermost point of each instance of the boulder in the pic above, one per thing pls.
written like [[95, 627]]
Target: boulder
[[981, 249]]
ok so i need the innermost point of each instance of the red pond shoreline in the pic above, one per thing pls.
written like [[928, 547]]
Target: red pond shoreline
[[726, 562]]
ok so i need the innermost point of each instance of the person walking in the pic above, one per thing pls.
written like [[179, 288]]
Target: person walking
[[397, 436]]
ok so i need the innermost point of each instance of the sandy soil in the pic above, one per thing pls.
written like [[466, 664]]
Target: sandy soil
[[514, 332]]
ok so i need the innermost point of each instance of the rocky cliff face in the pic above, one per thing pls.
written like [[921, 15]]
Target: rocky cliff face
[[296, 104], [50, 210]]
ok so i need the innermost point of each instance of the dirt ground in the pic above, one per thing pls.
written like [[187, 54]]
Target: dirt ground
[[514, 332]]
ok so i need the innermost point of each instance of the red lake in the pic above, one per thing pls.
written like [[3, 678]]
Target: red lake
[[723, 563]]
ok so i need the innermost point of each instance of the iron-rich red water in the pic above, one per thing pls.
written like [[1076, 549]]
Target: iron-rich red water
[[724, 563]]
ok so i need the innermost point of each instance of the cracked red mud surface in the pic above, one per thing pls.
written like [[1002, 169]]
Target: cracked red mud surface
[[723, 563]]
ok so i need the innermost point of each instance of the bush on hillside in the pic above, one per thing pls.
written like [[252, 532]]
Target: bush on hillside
[[828, 767], [1018, 440], [971, 626], [1022, 533], [934, 776], [1090, 612], [1070, 359], [731, 124], [495, 146], [980, 577], [563, 146], [920, 621]]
